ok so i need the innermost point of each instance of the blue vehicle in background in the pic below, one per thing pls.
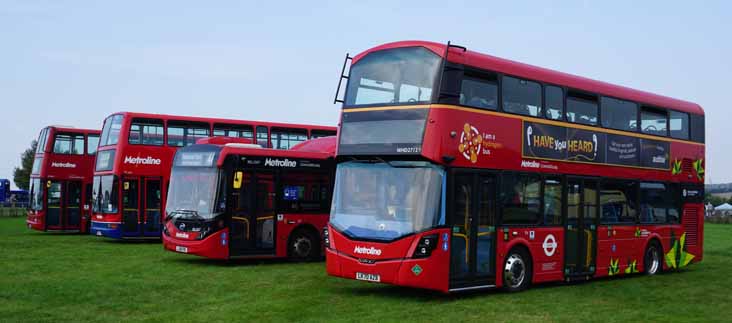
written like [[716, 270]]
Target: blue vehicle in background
[[10, 197]]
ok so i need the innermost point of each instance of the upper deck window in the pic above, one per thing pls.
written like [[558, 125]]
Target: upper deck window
[[186, 134], [111, 130], [479, 92], [286, 138], [521, 96], [146, 132], [654, 121], [233, 131], [554, 97], [42, 140], [619, 114], [697, 127], [582, 108], [263, 137], [92, 142], [679, 125], [69, 144], [393, 76]]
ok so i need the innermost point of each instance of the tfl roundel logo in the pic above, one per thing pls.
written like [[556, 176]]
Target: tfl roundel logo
[[470, 143], [550, 245]]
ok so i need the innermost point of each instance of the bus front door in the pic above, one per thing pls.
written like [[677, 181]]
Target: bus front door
[[473, 231], [131, 207], [151, 203], [54, 205], [72, 206], [580, 230], [252, 219]]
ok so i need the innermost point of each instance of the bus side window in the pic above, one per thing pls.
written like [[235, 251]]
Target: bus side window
[[263, 137], [554, 97], [479, 92], [582, 108], [618, 202], [303, 192]]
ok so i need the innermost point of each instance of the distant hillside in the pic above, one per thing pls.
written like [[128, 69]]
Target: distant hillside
[[718, 188]]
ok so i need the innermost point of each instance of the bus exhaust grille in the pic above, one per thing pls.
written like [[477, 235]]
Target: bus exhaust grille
[[687, 165], [690, 221]]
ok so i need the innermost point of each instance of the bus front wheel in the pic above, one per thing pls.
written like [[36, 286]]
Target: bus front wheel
[[517, 270], [303, 246]]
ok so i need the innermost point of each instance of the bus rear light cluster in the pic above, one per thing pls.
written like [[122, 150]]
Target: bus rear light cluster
[[425, 246]]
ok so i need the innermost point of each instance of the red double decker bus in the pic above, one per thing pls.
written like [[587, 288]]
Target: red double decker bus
[[232, 200], [458, 170], [60, 181], [136, 151]]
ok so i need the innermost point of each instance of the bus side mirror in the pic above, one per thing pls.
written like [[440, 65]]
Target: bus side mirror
[[237, 179]]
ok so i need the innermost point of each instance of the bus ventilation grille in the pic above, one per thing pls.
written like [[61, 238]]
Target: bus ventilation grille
[[690, 220], [687, 165]]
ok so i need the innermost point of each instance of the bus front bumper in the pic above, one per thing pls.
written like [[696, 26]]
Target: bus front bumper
[[215, 246], [425, 273], [106, 229]]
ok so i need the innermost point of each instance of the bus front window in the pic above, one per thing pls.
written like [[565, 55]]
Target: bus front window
[[37, 194], [393, 76], [385, 201], [192, 193]]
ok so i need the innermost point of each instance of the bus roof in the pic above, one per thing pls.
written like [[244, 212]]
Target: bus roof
[[220, 120], [269, 152], [73, 129], [319, 148], [322, 144], [501, 65]]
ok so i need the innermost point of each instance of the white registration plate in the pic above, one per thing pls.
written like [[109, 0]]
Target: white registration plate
[[368, 277], [181, 249]]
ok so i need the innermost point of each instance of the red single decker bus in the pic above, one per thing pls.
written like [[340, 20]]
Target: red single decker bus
[[458, 170], [233, 200], [134, 160], [61, 178]]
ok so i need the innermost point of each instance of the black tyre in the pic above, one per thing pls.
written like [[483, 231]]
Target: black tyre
[[517, 270], [652, 260], [303, 245]]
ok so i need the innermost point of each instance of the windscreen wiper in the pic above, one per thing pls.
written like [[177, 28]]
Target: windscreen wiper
[[192, 213]]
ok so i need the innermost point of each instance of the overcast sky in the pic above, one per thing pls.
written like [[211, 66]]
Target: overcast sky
[[74, 63]]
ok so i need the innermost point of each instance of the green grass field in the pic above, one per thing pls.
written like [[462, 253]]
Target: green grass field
[[54, 277]]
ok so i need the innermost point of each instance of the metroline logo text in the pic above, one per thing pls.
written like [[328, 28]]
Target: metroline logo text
[[367, 251], [279, 162], [142, 161], [63, 165], [530, 164]]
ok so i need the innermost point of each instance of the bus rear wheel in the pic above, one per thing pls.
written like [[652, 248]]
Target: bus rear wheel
[[303, 246], [517, 270], [652, 259]]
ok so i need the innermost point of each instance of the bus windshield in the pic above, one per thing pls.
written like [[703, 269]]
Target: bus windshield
[[385, 201], [36, 200], [192, 192], [393, 76]]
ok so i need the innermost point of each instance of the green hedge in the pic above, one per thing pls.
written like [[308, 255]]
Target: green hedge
[[12, 212], [718, 219]]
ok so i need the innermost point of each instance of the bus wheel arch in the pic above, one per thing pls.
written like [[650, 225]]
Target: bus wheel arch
[[517, 268], [653, 257], [303, 243]]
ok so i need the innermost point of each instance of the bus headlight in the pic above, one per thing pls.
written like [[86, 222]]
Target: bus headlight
[[326, 237], [425, 246]]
